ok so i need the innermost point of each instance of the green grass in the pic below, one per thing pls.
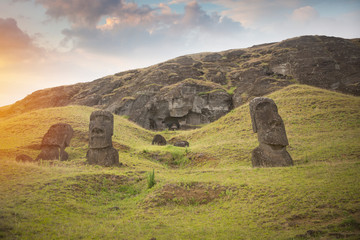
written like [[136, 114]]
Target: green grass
[[71, 200]]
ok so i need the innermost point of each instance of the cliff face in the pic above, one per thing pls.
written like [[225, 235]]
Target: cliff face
[[199, 88]]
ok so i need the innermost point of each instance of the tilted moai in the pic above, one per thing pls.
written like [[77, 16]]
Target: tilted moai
[[269, 126], [101, 128], [159, 140], [55, 141]]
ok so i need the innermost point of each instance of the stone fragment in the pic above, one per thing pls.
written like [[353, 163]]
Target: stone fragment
[[181, 144], [24, 158], [269, 126], [101, 151], [55, 141], [159, 140]]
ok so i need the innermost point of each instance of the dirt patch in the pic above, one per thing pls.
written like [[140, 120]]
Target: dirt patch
[[165, 158], [176, 160], [121, 147], [199, 159], [175, 139], [89, 186], [339, 227], [194, 193]]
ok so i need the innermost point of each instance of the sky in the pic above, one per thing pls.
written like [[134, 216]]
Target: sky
[[47, 43]]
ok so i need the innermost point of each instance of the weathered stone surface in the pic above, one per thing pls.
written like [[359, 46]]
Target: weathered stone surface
[[183, 106], [24, 158], [50, 153], [101, 151], [271, 156], [158, 140], [55, 141], [269, 126], [101, 129], [106, 157], [181, 144]]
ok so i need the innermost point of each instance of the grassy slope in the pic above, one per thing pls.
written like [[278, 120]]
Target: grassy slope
[[72, 200]]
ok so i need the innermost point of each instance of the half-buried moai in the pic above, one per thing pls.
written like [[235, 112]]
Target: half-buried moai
[[269, 126], [101, 151], [55, 141]]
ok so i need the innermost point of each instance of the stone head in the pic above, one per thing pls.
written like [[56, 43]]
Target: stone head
[[267, 122], [59, 134], [101, 129]]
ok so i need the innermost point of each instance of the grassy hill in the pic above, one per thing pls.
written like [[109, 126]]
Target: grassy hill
[[207, 191]]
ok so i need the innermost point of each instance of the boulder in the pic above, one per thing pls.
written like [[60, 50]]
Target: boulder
[[181, 144]]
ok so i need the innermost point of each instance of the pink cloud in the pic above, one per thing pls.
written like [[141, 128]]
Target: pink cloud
[[304, 14], [16, 45]]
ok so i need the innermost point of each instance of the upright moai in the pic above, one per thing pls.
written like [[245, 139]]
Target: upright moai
[[269, 126], [55, 141], [101, 128]]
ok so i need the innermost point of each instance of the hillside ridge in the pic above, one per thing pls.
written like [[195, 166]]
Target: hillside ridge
[[196, 89]]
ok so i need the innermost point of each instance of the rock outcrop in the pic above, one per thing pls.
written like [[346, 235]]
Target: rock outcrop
[[195, 89], [183, 105], [269, 126]]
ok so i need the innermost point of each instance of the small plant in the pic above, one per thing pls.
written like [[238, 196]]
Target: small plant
[[231, 90], [151, 179]]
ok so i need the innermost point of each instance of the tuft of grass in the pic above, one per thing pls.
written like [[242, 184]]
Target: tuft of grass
[[231, 90], [151, 179]]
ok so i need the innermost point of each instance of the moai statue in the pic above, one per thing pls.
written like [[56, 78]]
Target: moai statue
[[159, 140], [101, 151], [269, 126], [55, 141]]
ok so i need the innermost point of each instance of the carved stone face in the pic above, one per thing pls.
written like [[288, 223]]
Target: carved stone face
[[267, 122], [101, 129]]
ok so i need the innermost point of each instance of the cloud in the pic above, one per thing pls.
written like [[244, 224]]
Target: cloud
[[253, 13], [81, 12], [134, 27], [15, 45], [304, 14]]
